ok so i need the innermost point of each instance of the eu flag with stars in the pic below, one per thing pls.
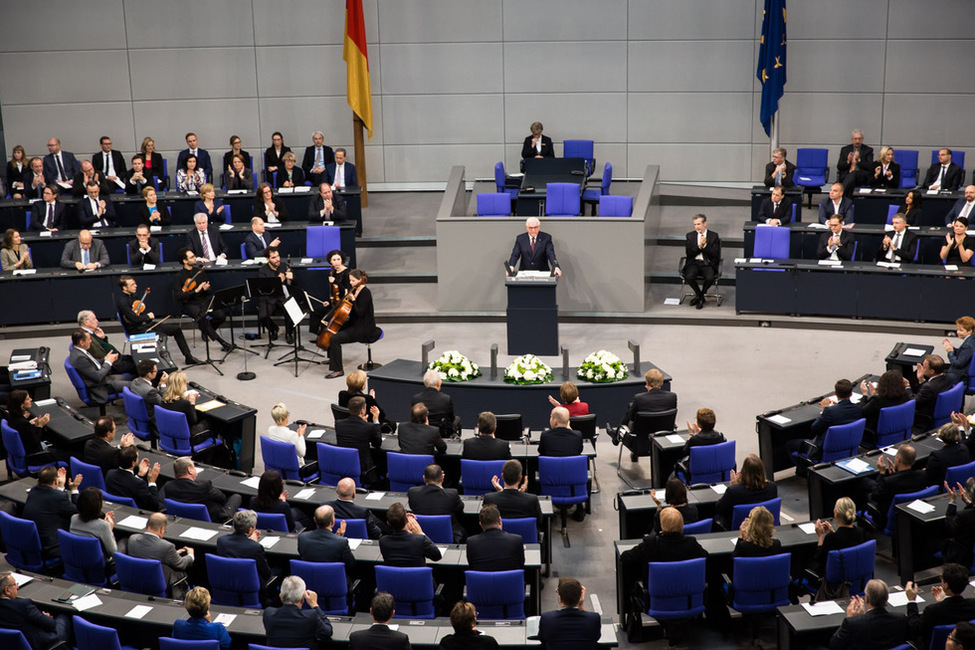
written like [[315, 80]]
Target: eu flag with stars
[[771, 60]]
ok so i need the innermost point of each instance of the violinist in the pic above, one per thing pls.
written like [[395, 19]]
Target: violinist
[[360, 327], [269, 305], [192, 289], [143, 249], [138, 318]]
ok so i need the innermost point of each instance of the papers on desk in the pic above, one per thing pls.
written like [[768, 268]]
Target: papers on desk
[[856, 397], [393, 627], [779, 419], [17, 358], [46, 233], [238, 191], [533, 274], [252, 482], [891, 450], [354, 543], [809, 527], [375, 496], [720, 488], [676, 439], [86, 602], [138, 611], [155, 228], [830, 263], [46, 402], [442, 549], [209, 405], [818, 226], [25, 271], [864, 190], [226, 226], [316, 434], [951, 267], [134, 521], [20, 579], [823, 608], [305, 494], [531, 626], [226, 619], [899, 599], [913, 352], [307, 260], [855, 465], [889, 265], [268, 542], [920, 506], [199, 534]]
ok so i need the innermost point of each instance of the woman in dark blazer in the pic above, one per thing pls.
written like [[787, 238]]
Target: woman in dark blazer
[[356, 385], [886, 172], [273, 498], [912, 208], [671, 545], [844, 535], [953, 453], [176, 399], [31, 429], [17, 170], [755, 535], [676, 496], [466, 636], [228, 157], [153, 160], [267, 206], [274, 155], [210, 205], [537, 145], [891, 390], [153, 212], [240, 178], [747, 486]]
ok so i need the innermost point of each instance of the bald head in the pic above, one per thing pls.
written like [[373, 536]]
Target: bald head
[[346, 488], [560, 417], [324, 516], [157, 522]]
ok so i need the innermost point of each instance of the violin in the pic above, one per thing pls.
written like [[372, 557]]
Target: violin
[[191, 283], [338, 319], [139, 305]]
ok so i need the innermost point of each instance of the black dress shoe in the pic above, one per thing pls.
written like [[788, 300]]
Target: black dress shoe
[[580, 513], [192, 361], [334, 374], [272, 335], [613, 434], [700, 305], [225, 346], [289, 338], [695, 301]]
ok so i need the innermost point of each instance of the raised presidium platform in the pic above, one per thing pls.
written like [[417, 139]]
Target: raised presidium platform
[[539, 172], [533, 314]]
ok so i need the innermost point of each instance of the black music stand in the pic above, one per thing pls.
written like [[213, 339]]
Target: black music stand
[[296, 310], [228, 299], [209, 361], [266, 288]]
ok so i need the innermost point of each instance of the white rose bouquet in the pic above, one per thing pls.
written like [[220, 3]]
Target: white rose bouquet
[[527, 369], [454, 366], [602, 367]]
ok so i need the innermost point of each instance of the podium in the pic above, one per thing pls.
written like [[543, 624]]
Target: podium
[[532, 315]]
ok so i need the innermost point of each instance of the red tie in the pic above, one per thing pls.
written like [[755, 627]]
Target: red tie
[[533, 245]]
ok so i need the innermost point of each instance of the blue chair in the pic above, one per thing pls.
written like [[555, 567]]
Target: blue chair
[[701, 527], [841, 441], [411, 588], [959, 474], [226, 214], [135, 409], [566, 480], [970, 388], [140, 576], [174, 433], [812, 169], [169, 643], [437, 527], [406, 470], [18, 461], [527, 527], [739, 513], [243, 251], [23, 544], [114, 498], [891, 211], [319, 240], [327, 579], [674, 590], [592, 196], [894, 424], [354, 528], [709, 463], [890, 528], [771, 242], [493, 204], [282, 457], [83, 557], [96, 637], [197, 511], [854, 565], [475, 475], [939, 636], [615, 206], [562, 199], [907, 159], [165, 176], [128, 257], [581, 149], [500, 185], [336, 463], [91, 475], [760, 585], [14, 640], [272, 521], [498, 595], [948, 402], [234, 581], [82, 390]]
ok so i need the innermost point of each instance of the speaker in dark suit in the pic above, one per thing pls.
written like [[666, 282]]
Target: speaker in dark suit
[[535, 256]]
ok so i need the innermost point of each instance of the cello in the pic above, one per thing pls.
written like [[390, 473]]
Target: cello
[[338, 319]]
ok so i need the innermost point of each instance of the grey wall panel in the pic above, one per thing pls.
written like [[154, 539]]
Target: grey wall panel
[[829, 117], [78, 126], [306, 22], [564, 20], [930, 121], [938, 19], [212, 120], [298, 118], [61, 25], [185, 23], [564, 67], [424, 162], [589, 116], [836, 19], [724, 162], [440, 21], [67, 77], [375, 162], [689, 117], [302, 71], [717, 66], [182, 73], [853, 66], [439, 68], [694, 19], [443, 119], [930, 66]]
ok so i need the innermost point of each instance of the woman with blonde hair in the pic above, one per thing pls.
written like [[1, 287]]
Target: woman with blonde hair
[[844, 535], [209, 204], [755, 535], [177, 398], [153, 161], [199, 627]]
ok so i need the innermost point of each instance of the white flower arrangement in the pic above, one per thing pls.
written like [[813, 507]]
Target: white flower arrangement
[[454, 366], [527, 369], [602, 367]]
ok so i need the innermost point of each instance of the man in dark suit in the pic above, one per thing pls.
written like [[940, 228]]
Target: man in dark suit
[[963, 207], [95, 210], [49, 214], [898, 477], [146, 320], [95, 374], [355, 432], [417, 436], [341, 174], [137, 179], [88, 174], [202, 156], [836, 203], [59, 166], [124, 481], [943, 176], [152, 545], [559, 439], [570, 627], [855, 164], [187, 488], [316, 157], [432, 499], [780, 171], [379, 636], [702, 249], [406, 545], [950, 606], [41, 630], [840, 411], [293, 627], [484, 446], [837, 244], [245, 543], [653, 400], [439, 405], [776, 209], [868, 624], [494, 549], [512, 500], [205, 242], [326, 206], [50, 507], [899, 246], [110, 164], [101, 346], [537, 145], [84, 253], [702, 431], [258, 240], [535, 250], [932, 381], [322, 545], [100, 451], [346, 508]]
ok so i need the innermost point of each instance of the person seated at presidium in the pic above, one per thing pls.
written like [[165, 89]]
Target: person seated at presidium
[[95, 210], [944, 175], [341, 174], [957, 249], [899, 246], [14, 253], [780, 171], [137, 179], [290, 175], [238, 177], [776, 209], [537, 145], [535, 250], [190, 178], [963, 207], [360, 326], [316, 157], [152, 212], [569, 394], [836, 203], [235, 148], [273, 155], [702, 251], [837, 244], [210, 205]]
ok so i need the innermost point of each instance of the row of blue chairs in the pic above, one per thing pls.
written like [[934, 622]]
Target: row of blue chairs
[[562, 200], [812, 166]]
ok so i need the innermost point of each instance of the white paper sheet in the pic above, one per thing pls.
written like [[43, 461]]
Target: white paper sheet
[[823, 608], [720, 488], [133, 521], [375, 496], [899, 599], [89, 601], [920, 506], [809, 527], [138, 611], [225, 618], [858, 465], [354, 543], [779, 419], [21, 579], [913, 352], [268, 542], [252, 482], [316, 434], [200, 534], [307, 493], [676, 439]]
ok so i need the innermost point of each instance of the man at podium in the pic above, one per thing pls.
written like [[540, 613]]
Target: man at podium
[[535, 249]]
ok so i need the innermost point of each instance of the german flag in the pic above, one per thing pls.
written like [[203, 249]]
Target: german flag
[[357, 63]]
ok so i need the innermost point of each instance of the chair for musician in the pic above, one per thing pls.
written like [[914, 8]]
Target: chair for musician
[[699, 527], [96, 637], [197, 511], [91, 475], [497, 595], [138, 416], [959, 474], [282, 457], [122, 501], [339, 412], [566, 480], [411, 587], [23, 545], [841, 441], [586, 425], [739, 513], [510, 427], [907, 159], [593, 197], [233, 581], [327, 579], [83, 557], [615, 206], [18, 462], [948, 402], [336, 463], [437, 528], [562, 199], [637, 438], [760, 585], [174, 434], [771, 242], [581, 149], [894, 424], [168, 643], [376, 337], [140, 576], [475, 475], [493, 204], [354, 528], [673, 595], [812, 170], [709, 464], [406, 470], [82, 390]]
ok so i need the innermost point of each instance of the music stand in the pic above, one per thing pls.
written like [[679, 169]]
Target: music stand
[[206, 339], [296, 312], [228, 299], [266, 288]]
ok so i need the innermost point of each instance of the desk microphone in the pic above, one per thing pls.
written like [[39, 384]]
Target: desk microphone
[[577, 172]]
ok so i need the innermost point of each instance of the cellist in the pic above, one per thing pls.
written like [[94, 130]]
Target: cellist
[[338, 288], [192, 289], [359, 327]]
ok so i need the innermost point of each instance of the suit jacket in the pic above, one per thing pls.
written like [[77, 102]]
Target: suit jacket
[[87, 217], [78, 189], [906, 251], [322, 545], [650, 401], [827, 209], [10, 256], [240, 546], [788, 181], [351, 179], [356, 433], [50, 509], [188, 490], [951, 610], [941, 459], [146, 391], [843, 412], [163, 210], [317, 204], [887, 486], [528, 151], [213, 235], [156, 168], [420, 439], [960, 358], [234, 182], [69, 162], [96, 378], [72, 253], [892, 183], [569, 629], [104, 454], [118, 160], [543, 259], [739, 495], [438, 403], [431, 499], [495, 550], [514, 504], [768, 211], [560, 441], [877, 629], [953, 176], [38, 214], [379, 637], [843, 167], [291, 627], [955, 212], [123, 483], [486, 448], [12, 175], [22, 614], [349, 510], [202, 161], [273, 159], [844, 252], [228, 160], [136, 258], [150, 547], [212, 215], [927, 396], [711, 251], [308, 160], [297, 176], [279, 206], [402, 548], [256, 245]]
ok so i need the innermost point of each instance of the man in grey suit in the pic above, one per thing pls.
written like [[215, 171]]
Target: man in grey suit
[[84, 254], [150, 545], [94, 373], [146, 371]]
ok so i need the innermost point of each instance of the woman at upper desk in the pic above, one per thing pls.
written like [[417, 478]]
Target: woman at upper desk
[[755, 535], [14, 254], [290, 175], [235, 148], [747, 486], [960, 525], [153, 213], [267, 207], [569, 394], [90, 522], [153, 164], [209, 204], [190, 179], [953, 453], [886, 172], [892, 389], [239, 177], [912, 208], [176, 399], [958, 248], [273, 155], [537, 145], [844, 535], [16, 171], [675, 494], [961, 357]]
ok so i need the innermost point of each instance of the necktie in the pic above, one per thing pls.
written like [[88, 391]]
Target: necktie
[[340, 176], [533, 245], [966, 210], [84, 256], [318, 157], [941, 178], [49, 222], [57, 158], [107, 167], [206, 246], [896, 245]]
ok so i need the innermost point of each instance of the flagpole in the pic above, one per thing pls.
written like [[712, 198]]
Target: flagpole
[[360, 157], [774, 142]]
